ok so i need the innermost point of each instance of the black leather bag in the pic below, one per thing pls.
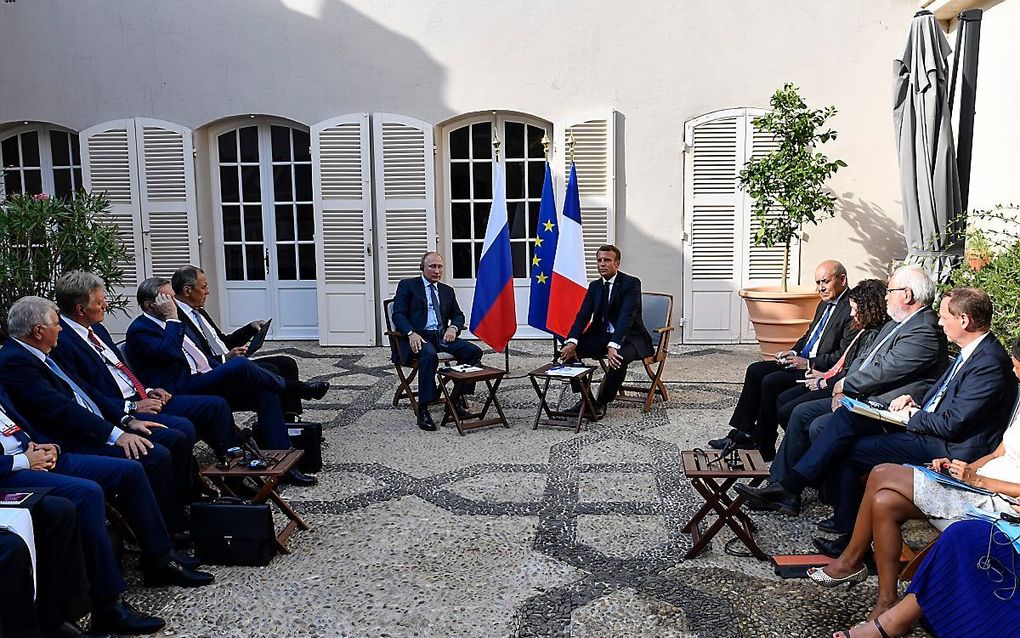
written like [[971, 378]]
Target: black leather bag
[[231, 531], [307, 436]]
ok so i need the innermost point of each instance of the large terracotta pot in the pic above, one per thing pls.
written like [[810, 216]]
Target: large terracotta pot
[[779, 318]]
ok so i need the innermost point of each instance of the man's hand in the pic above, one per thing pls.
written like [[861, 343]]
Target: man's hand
[[257, 324], [161, 394], [568, 353], [40, 458], [615, 360], [134, 446], [450, 334], [785, 354], [416, 342], [800, 363], [835, 400], [145, 427], [239, 351], [151, 405], [164, 307], [902, 402], [838, 388]]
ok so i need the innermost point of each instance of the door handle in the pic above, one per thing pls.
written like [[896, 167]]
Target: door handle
[[267, 260], [368, 249]]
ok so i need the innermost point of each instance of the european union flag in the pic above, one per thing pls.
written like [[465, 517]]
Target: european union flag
[[546, 236]]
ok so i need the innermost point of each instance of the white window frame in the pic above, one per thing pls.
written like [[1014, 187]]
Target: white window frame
[[46, 166]]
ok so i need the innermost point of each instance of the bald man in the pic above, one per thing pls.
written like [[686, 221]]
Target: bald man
[[754, 424]]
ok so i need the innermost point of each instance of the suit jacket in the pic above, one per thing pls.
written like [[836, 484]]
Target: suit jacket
[[624, 314], [7, 461], [72, 354], [411, 308], [977, 404], [839, 332], [48, 401], [157, 354], [908, 363], [236, 338]]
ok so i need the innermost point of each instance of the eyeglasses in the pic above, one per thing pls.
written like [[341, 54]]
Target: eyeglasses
[[888, 290]]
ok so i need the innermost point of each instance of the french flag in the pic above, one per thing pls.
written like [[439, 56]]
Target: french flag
[[493, 316], [569, 281]]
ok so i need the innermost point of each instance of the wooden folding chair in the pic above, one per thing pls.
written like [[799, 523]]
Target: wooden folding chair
[[404, 379], [656, 310]]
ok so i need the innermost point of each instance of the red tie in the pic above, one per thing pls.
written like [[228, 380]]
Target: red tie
[[100, 348]]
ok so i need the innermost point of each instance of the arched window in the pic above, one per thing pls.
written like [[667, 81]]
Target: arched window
[[40, 158]]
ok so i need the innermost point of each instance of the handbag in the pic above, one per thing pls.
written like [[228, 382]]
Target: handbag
[[232, 531], [307, 436]]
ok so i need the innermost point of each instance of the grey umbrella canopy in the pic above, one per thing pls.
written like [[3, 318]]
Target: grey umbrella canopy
[[932, 219]]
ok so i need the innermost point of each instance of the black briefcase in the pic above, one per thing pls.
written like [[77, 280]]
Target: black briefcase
[[231, 531], [307, 436]]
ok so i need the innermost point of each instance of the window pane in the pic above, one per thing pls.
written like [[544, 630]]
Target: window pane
[[536, 176], [253, 223], [534, 208], [30, 149], [284, 223], [228, 146], [306, 261], [519, 253], [460, 182], [286, 262], [302, 146], [59, 149], [62, 183], [516, 215], [481, 219], [9, 151], [478, 253], [514, 142], [462, 260], [228, 184], [75, 153], [459, 143], [33, 181], [251, 185], [514, 180], [303, 183], [12, 182], [281, 184], [77, 180], [481, 140], [461, 218], [256, 262], [305, 222], [232, 223], [482, 172], [234, 263], [249, 144], [280, 137], [535, 148]]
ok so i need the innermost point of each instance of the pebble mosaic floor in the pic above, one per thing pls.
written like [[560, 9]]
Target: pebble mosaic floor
[[511, 532]]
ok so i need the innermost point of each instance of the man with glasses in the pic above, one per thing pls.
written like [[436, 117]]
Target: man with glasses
[[754, 423]]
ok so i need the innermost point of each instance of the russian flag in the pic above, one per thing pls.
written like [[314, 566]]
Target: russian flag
[[493, 316], [569, 281], [545, 253]]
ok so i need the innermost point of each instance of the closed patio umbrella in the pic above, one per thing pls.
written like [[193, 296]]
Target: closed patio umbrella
[[932, 208]]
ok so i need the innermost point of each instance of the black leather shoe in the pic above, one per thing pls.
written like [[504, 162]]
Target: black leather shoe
[[173, 573], [425, 421], [124, 619], [300, 479], [71, 630], [772, 497], [741, 438], [460, 406], [189, 562], [831, 547], [313, 390], [828, 525]]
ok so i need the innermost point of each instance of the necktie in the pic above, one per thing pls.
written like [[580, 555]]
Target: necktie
[[817, 332], [120, 365], [933, 402], [79, 394], [435, 305], [201, 363], [604, 309], [210, 338]]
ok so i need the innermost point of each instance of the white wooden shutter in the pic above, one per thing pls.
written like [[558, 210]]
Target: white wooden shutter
[[342, 192], [405, 198], [169, 219], [595, 148]]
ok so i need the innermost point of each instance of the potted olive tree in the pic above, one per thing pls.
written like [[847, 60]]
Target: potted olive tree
[[787, 188]]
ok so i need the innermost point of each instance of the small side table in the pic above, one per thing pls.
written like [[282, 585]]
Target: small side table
[[562, 418], [267, 479], [491, 377], [713, 480]]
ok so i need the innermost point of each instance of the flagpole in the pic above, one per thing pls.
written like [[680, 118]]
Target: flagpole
[[546, 145]]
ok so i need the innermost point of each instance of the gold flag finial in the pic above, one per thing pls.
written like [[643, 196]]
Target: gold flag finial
[[571, 142], [546, 144], [496, 143]]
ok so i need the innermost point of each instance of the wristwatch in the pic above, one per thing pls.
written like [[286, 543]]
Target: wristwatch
[[132, 406]]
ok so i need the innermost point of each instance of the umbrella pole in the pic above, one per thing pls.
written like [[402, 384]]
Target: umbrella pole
[[970, 31]]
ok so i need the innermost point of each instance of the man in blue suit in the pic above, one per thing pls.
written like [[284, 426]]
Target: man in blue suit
[[87, 350], [78, 419], [29, 461], [426, 310], [163, 355]]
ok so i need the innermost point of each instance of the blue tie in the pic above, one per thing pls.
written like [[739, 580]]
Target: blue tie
[[78, 392], [817, 332], [433, 322], [931, 403]]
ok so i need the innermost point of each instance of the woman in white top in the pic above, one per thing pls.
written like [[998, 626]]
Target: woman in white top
[[896, 494]]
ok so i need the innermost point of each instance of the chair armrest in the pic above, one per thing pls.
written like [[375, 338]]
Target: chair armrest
[[664, 329]]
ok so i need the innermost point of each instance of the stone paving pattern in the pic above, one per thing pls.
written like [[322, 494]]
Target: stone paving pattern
[[511, 532]]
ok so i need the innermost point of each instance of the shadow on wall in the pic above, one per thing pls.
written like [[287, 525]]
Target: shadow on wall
[[880, 237]]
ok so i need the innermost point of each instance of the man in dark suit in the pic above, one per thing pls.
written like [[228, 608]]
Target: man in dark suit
[[961, 416], [609, 324], [754, 423], [426, 310], [78, 419], [191, 286], [87, 350], [164, 356]]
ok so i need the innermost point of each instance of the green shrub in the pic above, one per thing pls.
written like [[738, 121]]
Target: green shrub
[[1001, 280]]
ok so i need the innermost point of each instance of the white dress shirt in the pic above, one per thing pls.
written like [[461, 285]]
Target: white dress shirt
[[12, 446], [127, 389]]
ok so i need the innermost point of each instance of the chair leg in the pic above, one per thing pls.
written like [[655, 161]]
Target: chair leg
[[404, 389]]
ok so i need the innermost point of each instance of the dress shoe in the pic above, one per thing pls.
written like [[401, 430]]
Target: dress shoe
[[831, 548], [741, 438], [190, 562], [460, 406], [300, 479], [425, 421], [313, 390], [174, 573], [773, 497], [828, 525], [71, 630], [818, 575], [124, 619]]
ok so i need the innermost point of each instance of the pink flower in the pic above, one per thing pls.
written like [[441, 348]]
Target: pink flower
[[41, 197]]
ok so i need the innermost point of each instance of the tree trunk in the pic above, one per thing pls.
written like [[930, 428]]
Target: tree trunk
[[786, 266]]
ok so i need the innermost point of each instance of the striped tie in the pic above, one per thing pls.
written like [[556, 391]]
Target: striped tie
[[120, 365]]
